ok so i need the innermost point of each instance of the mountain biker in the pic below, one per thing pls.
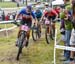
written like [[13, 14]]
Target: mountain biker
[[51, 14], [46, 7], [38, 14], [26, 14]]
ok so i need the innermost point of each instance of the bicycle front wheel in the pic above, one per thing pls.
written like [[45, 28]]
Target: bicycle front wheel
[[21, 40], [48, 36]]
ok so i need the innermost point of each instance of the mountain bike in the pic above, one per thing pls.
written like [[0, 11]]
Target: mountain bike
[[22, 41], [48, 31]]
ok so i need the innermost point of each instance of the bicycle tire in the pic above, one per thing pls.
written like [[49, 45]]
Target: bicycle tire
[[50, 37], [21, 39], [34, 34], [46, 37], [39, 32]]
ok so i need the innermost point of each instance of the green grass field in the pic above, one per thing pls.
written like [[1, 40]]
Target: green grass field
[[6, 25], [9, 4]]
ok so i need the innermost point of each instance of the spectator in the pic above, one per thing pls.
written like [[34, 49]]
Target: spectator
[[3, 16], [68, 28], [11, 16], [7, 17], [72, 40], [14, 14]]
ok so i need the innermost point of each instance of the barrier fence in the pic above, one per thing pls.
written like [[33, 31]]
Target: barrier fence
[[60, 47], [6, 29]]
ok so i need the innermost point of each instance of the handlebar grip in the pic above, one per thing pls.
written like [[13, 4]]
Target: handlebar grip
[[16, 23]]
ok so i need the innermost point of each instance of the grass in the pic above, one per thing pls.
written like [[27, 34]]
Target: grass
[[9, 4], [13, 4], [38, 52], [6, 25]]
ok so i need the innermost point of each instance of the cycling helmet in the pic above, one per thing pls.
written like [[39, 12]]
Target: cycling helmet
[[29, 7], [46, 4]]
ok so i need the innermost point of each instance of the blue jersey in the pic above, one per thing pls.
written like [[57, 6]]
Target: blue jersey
[[25, 14]]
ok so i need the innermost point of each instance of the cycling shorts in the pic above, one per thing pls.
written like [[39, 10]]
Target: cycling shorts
[[29, 23], [52, 17], [38, 19]]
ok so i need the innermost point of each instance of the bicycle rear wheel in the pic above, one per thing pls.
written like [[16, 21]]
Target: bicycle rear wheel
[[34, 34]]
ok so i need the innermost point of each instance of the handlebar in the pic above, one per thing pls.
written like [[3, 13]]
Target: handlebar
[[16, 23], [57, 19]]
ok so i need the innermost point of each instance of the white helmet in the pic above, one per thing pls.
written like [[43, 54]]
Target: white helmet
[[46, 3], [48, 9]]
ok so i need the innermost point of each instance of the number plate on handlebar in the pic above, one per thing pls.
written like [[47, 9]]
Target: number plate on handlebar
[[25, 28]]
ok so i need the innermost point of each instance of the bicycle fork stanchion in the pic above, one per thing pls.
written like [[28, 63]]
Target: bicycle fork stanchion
[[55, 47], [6, 31]]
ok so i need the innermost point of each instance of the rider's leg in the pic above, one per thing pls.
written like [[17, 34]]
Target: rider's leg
[[28, 36], [48, 28], [19, 32], [53, 26], [18, 36], [28, 33], [39, 25]]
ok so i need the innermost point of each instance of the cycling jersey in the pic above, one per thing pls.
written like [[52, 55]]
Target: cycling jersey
[[38, 14], [57, 11], [27, 17], [51, 15]]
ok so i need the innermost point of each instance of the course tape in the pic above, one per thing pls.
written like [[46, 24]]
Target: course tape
[[6, 22], [65, 47]]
